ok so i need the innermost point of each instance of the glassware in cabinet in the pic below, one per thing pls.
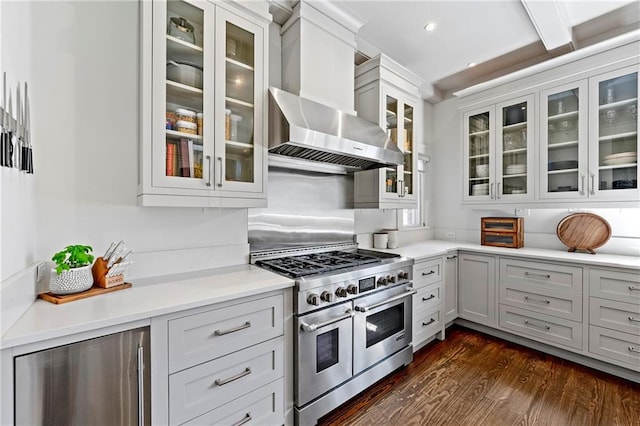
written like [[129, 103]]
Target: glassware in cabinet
[[617, 134]]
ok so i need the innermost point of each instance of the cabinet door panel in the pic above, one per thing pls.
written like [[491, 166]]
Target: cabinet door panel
[[477, 289], [479, 172]]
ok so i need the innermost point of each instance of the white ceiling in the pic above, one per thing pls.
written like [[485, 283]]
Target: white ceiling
[[500, 36]]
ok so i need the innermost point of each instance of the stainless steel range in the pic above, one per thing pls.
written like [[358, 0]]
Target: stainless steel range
[[353, 320]]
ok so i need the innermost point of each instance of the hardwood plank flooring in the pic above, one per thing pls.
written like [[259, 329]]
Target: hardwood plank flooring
[[475, 379]]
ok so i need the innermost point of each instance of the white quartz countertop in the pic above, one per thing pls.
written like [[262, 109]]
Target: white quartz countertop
[[426, 249], [146, 299]]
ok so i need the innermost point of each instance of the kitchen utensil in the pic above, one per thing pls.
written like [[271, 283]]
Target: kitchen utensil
[[125, 256], [185, 73], [583, 231], [108, 256], [114, 258], [27, 130], [9, 137], [5, 120], [108, 250], [181, 29]]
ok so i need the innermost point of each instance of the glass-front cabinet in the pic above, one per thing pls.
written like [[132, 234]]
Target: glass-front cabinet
[[399, 122], [613, 135], [498, 156], [202, 146], [563, 142]]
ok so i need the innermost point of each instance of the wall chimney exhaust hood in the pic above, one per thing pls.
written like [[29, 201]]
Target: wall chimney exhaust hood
[[308, 130]]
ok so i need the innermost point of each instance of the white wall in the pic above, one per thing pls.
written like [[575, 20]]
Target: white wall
[[540, 224]]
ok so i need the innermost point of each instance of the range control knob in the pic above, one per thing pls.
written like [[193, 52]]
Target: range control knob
[[341, 292], [403, 275], [391, 279], [352, 289], [326, 296], [313, 299], [382, 281]]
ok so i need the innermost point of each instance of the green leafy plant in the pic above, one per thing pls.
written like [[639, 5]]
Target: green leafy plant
[[72, 257]]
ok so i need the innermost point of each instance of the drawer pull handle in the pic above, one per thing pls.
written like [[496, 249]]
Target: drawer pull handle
[[232, 330], [632, 349], [531, 299], [451, 257], [634, 319], [222, 382], [532, 324], [245, 419], [531, 274], [424, 299], [425, 274], [431, 321], [632, 288]]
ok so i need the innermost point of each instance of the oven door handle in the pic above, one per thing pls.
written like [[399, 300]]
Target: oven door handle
[[314, 327], [410, 291]]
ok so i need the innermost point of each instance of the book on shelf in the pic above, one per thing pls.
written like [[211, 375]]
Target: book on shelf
[[184, 157], [172, 156]]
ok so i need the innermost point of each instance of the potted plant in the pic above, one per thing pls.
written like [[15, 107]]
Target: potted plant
[[72, 273]]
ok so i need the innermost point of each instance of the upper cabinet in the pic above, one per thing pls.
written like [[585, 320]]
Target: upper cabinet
[[387, 94], [498, 156], [203, 105], [578, 144]]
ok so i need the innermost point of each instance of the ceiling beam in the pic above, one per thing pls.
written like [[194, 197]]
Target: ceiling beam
[[548, 18]]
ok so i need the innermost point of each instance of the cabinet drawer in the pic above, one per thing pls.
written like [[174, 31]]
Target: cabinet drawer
[[558, 303], [199, 338], [614, 285], [547, 328], [428, 272], [621, 347], [427, 298], [559, 277], [199, 389], [425, 325], [264, 406], [617, 316]]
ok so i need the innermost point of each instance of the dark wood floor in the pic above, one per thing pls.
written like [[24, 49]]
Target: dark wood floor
[[475, 379]]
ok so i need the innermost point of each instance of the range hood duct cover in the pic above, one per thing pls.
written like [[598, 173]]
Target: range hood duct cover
[[309, 130]]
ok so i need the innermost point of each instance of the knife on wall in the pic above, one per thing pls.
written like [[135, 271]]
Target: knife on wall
[[27, 130], [5, 120]]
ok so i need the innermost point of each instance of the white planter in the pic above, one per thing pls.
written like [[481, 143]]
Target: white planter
[[71, 281]]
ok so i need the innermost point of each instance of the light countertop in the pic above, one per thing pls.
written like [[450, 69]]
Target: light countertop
[[146, 299], [426, 249]]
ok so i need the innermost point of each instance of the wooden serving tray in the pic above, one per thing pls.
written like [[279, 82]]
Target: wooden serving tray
[[93, 291], [583, 231]]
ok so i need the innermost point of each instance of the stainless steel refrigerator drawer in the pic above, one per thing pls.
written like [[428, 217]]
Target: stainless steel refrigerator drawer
[[102, 381]]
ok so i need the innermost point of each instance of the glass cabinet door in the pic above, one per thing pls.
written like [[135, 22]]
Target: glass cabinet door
[[563, 153], [514, 156], [180, 127], [391, 125], [479, 167], [407, 148], [238, 161], [614, 139]]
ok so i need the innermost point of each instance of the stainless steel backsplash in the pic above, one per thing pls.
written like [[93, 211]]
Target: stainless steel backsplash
[[304, 208]]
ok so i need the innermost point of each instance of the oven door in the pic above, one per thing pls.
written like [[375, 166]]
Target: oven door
[[324, 351], [381, 326]]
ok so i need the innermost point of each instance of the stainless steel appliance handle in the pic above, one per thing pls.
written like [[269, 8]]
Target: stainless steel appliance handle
[[246, 419], [632, 288], [208, 157], [221, 172], [582, 184], [141, 385], [592, 191], [632, 349], [232, 330], [410, 291], [634, 319], [314, 327], [544, 327], [531, 299], [531, 274], [222, 382]]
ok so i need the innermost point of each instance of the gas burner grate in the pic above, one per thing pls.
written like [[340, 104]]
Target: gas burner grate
[[316, 263]]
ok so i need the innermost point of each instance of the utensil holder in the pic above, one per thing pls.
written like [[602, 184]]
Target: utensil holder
[[100, 271]]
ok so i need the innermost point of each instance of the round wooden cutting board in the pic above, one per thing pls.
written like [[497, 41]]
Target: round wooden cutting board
[[583, 231]]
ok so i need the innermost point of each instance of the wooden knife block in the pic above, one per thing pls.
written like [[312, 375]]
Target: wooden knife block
[[100, 271]]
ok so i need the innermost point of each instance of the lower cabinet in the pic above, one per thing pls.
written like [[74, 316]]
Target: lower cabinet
[[224, 364], [477, 288], [450, 287], [427, 302]]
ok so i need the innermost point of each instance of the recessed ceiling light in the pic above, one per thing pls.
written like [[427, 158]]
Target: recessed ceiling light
[[471, 64], [430, 26]]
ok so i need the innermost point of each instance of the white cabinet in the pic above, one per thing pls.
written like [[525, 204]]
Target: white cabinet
[[451, 287], [387, 94], [498, 153], [203, 120], [477, 288], [428, 301]]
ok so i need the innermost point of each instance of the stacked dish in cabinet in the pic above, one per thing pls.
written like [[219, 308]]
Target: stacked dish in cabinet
[[479, 154], [184, 90], [514, 148]]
